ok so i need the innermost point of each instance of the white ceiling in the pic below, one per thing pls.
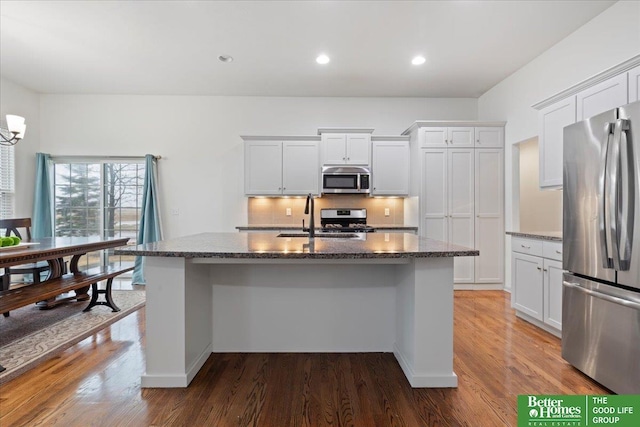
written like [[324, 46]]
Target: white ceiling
[[171, 47]]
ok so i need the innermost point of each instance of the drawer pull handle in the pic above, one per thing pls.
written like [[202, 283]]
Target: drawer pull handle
[[558, 252], [526, 247]]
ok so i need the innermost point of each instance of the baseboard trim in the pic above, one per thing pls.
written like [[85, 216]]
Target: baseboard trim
[[424, 381]]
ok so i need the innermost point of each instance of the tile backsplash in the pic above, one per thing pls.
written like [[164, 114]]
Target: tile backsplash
[[273, 210]]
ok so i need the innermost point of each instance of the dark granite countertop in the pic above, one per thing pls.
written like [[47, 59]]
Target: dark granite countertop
[[554, 236], [276, 227], [266, 245]]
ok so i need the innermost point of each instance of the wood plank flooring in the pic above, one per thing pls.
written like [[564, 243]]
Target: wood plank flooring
[[497, 357]]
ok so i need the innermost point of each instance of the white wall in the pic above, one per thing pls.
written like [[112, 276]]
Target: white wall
[[201, 171], [610, 38], [15, 99]]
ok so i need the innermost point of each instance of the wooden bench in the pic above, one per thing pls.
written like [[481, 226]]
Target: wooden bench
[[80, 282]]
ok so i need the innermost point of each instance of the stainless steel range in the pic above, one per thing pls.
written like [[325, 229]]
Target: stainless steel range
[[345, 220]]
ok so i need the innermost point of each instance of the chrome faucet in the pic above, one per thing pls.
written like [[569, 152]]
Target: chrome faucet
[[312, 226]]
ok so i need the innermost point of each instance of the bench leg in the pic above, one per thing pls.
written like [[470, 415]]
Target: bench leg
[[107, 296]]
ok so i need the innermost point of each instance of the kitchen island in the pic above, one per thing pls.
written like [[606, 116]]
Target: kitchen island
[[256, 292]]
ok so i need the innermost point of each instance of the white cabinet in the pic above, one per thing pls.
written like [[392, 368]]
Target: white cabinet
[[489, 218], [390, 166], [552, 121], [634, 84], [602, 97], [447, 137], [537, 281], [448, 202], [281, 168], [346, 148], [263, 167], [489, 137]]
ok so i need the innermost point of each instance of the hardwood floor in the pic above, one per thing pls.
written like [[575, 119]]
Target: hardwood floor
[[497, 357]]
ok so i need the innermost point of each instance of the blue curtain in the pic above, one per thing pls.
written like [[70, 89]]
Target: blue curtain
[[42, 221], [150, 229]]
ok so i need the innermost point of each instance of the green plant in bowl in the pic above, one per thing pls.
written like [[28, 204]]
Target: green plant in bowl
[[6, 241], [16, 240]]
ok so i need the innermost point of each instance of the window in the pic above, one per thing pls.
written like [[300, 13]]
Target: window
[[7, 181], [99, 199]]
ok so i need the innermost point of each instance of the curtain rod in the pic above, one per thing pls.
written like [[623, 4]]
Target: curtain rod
[[103, 157]]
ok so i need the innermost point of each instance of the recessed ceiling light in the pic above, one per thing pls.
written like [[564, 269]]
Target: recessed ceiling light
[[225, 58], [322, 59], [418, 60]]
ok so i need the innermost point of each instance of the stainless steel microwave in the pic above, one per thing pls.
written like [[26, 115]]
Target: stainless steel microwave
[[346, 180]]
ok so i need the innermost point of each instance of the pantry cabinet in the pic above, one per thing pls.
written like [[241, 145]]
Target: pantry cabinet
[[274, 168], [448, 203]]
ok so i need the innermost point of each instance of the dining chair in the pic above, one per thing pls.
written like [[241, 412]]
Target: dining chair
[[13, 226]]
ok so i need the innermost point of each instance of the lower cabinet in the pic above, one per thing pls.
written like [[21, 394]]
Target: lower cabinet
[[537, 282]]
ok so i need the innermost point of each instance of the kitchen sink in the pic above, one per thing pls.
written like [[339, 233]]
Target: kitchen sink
[[321, 236]]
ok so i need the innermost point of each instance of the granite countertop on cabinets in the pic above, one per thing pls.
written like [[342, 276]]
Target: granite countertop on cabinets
[[278, 227], [555, 236], [267, 246]]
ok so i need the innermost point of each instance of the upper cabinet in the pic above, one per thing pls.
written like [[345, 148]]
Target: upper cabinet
[[489, 137], [346, 148], [615, 87], [447, 137], [274, 168], [634, 84], [552, 121], [390, 166], [604, 96]]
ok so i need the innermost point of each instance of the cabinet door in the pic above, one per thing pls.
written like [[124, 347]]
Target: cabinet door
[[526, 280], [604, 96], [489, 137], [434, 137], [553, 119], [461, 178], [553, 293], [434, 191], [634, 85], [460, 137], [358, 148], [300, 167], [263, 168], [334, 147], [489, 224], [390, 168]]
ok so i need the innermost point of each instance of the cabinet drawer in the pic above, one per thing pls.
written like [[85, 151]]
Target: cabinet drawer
[[526, 246], [552, 250]]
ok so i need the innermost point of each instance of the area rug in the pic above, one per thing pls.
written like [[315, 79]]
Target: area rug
[[29, 336]]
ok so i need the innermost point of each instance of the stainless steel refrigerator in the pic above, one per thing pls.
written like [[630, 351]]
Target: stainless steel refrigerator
[[601, 248]]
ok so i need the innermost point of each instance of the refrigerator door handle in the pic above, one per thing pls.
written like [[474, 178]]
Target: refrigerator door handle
[[613, 199], [625, 196], [603, 214], [596, 294]]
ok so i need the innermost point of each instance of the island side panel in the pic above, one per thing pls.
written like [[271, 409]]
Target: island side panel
[[424, 322], [303, 307], [178, 319]]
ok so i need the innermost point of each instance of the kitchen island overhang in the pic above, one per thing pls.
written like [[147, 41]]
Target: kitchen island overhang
[[255, 292]]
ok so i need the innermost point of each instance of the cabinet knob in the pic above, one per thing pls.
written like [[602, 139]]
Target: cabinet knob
[[558, 252], [348, 158], [344, 158], [539, 268], [545, 269], [478, 141], [526, 247], [446, 141], [284, 188], [279, 188]]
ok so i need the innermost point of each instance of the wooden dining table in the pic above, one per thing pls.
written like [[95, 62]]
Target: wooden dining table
[[53, 250]]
